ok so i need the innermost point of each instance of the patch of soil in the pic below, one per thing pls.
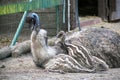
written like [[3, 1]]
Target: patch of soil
[[23, 68]]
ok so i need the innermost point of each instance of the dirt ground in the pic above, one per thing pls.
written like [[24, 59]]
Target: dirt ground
[[23, 68]]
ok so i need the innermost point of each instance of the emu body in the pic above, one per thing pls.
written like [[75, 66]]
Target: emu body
[[100, 42], [69, 61]]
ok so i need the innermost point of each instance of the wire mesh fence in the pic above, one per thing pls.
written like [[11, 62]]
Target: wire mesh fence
[[50, 19]]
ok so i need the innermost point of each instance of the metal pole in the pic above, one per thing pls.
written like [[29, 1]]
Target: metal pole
[[19, 28], [64, 8], [68, 15], [57, 18], [77, 16]]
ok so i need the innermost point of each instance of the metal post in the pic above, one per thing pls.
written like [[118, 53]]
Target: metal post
[[77, 16], [64, 8], [68, 15], [57, 18], [19, 28]]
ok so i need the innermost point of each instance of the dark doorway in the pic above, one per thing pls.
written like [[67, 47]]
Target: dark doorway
[[88, 7]]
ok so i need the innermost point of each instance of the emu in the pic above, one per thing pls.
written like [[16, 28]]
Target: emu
[[100, 42], [65, 57], [40, 50], [53, 59]]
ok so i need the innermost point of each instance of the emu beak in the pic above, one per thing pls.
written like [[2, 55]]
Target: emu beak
[[32, 27], [30, 22]]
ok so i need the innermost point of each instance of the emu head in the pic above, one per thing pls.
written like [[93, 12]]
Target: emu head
[[63, 37], [60, 37], [33, 21], [60, 41]]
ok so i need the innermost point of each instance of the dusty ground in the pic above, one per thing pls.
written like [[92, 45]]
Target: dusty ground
[[23, 68]]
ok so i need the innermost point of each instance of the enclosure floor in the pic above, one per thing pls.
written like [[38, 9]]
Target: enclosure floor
[[23, 68]]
